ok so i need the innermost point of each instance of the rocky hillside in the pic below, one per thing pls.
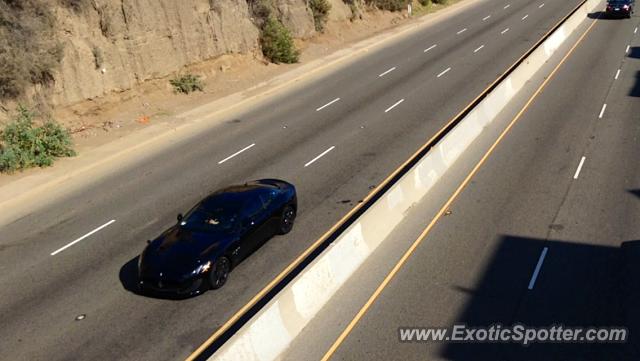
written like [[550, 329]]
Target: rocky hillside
[[101, 46]]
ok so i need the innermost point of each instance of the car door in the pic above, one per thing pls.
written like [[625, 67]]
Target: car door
[[272, 208], [254, 224]]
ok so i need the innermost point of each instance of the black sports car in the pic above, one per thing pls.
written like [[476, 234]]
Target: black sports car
[[200, 250]]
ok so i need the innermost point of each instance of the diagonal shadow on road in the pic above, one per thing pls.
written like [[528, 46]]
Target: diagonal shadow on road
[[579, 285]]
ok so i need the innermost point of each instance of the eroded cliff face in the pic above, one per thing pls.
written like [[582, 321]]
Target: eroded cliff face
[[113, 45]]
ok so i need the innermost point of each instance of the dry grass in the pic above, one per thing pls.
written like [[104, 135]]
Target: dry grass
[[28, 55]]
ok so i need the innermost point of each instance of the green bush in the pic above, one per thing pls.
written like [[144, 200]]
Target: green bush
[[29, 51], [441, 2], [425, 2], [277, 44], [320, 10], [187, 84], [25, 145]]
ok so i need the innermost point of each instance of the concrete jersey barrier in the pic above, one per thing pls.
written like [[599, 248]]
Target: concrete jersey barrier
[[268, 334]]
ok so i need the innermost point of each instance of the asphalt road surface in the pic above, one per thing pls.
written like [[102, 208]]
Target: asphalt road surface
[[334, 139], [546, 233]]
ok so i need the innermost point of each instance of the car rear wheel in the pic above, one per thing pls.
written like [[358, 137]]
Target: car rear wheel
[[286, 219], [220, 273]]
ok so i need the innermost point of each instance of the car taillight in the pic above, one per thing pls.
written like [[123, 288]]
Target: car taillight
[[625, 7]]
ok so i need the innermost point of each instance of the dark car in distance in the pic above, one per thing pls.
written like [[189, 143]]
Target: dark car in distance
[[215, 235], [620, 8]]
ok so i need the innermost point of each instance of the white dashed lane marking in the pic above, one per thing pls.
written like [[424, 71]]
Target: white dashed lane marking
[[328, 104], [604, 107], [394, 105], [444, 72], [536, 272], [431, 47], [577, 174], [387, 72], [319, 156], [83, 237], [237, 153]]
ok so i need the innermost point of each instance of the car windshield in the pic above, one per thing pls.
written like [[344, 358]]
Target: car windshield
[[211, 217], [619, 2]]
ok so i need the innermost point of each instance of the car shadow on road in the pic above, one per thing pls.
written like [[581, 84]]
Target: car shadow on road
[[634, 52], [635, 89], [635, 192], [129, 275], [602, 15]]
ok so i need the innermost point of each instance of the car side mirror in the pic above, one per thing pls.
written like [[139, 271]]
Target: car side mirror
[[148, 241], [180, 217]]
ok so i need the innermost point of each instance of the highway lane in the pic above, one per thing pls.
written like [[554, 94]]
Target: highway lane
[[48, 292], [561, 190]]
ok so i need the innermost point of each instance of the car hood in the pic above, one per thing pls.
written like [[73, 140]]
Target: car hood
[[179, 251]]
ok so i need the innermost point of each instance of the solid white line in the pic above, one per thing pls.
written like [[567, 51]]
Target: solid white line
[[461, 31], [431, 47], [486, 17], [540, 7], [534, 277], [83, 237], [604, 107], [236, 153], [635, 31], [507, 6], [479, 48], [329, 103], [526, 16], [387, 72], [504, 31], [444, 72], [575, 176], [320, 156], [627, 50], [617, 74], [395, 105]]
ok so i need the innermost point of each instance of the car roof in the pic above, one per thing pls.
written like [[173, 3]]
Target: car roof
[[237, 195], [246, 189]]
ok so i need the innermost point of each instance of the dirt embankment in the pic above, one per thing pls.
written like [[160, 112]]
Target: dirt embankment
[[115, 45], [119, 54]]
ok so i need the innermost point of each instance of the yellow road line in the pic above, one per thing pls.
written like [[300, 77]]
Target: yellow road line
[[446, 206], [238, 314]]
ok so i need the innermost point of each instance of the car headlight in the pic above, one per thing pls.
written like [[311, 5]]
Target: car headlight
[[202, 268]]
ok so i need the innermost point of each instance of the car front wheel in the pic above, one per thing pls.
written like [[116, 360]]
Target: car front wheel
[[220, 273], [286, 219]]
